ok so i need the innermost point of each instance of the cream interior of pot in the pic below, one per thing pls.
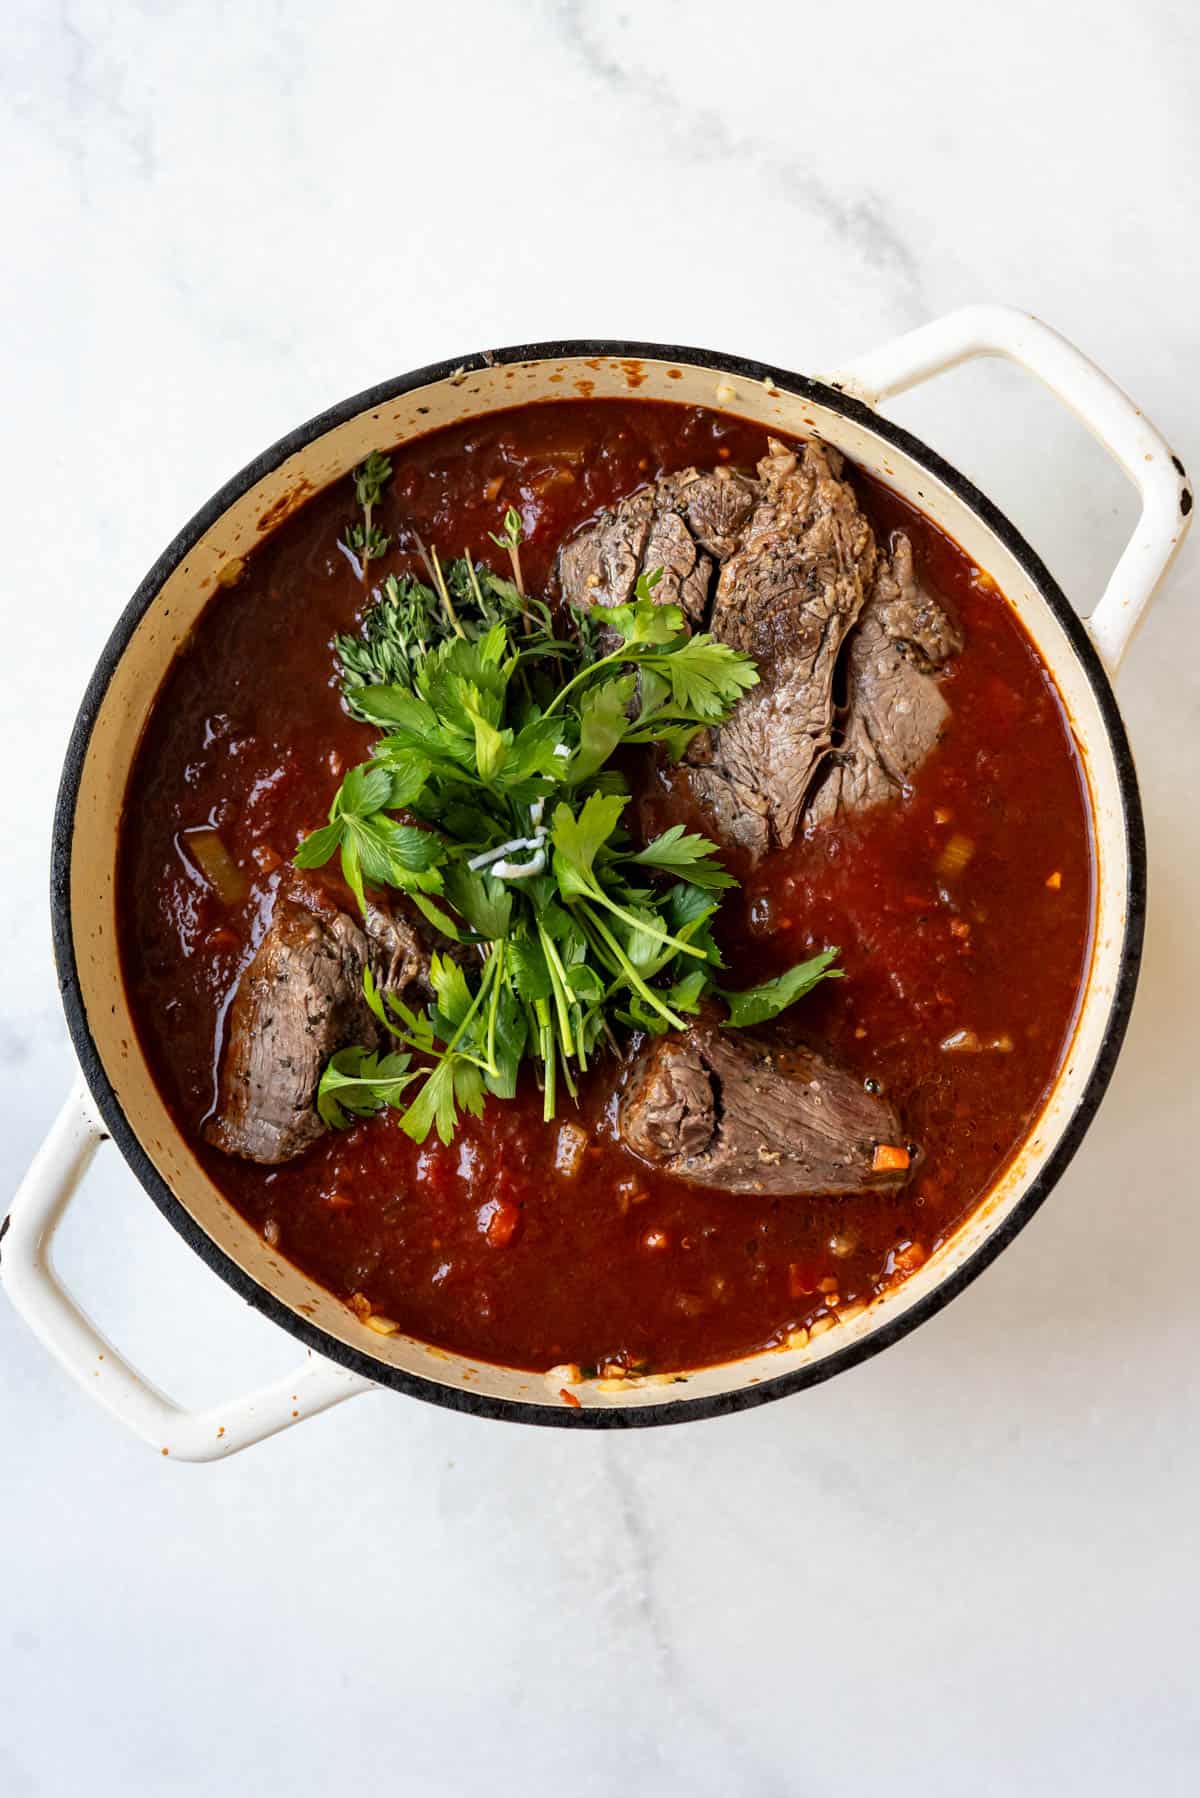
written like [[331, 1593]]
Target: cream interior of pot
[[165, 628]]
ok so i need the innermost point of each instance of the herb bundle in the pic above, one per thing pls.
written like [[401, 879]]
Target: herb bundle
[[498, 738]]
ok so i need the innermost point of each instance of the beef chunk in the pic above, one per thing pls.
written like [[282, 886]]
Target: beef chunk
[[895, 711], [787, 597], [400, 949], [729, 1110], [923, 633], [299, 1001], [669, 525], [715, 504]]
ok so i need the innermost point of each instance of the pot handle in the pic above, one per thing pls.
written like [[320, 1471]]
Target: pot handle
[[27, 1273], [1098, 402]]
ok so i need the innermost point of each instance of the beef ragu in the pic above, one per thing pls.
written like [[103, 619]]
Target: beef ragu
[[901, 786]]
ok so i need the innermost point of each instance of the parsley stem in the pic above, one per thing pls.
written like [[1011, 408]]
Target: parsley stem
[[632, 977], [473, 577], [548, 1052], [444, 595], [493, 1008], [434, 570], [558, 983], [650, 930], [618, 655], [514, 556], [485, 981]]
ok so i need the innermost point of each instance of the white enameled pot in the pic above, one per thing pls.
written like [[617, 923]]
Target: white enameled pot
[[116, 1095]]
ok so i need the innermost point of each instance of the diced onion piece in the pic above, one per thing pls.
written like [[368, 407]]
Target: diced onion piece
[[217, 866], [969, 1042], [554, 477], [955, 855], [499, 1221], [802, 1278], [890, 1158], [382, 1326], [569, 1150]]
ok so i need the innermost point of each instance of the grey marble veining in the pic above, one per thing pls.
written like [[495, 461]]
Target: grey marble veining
[[857, 218], [970, 1566]]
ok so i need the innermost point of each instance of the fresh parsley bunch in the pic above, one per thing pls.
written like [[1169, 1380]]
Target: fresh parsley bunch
[[498, 737]]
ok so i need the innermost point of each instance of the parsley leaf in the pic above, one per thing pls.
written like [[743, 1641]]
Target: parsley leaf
[[603, 722], [680, 850], [756, 1004], [358, 1084], [578, 839], [706, 677]]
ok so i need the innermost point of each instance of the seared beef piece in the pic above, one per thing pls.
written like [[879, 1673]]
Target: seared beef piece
[[787, 597], [895, 711], [297, 1003], [667, 525], [399, 949], [716, 505], [729, 1110], [300, 999], [925, 634]]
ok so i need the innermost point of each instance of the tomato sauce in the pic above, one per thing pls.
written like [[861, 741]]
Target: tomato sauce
[[964, 908]]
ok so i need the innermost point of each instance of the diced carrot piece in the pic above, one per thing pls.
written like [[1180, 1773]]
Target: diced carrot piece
[[890, 1158], [908, 1259], [569, 1398], [1054, 881]]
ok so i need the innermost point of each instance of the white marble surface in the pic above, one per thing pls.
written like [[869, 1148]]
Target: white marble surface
[[970, 1566]]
